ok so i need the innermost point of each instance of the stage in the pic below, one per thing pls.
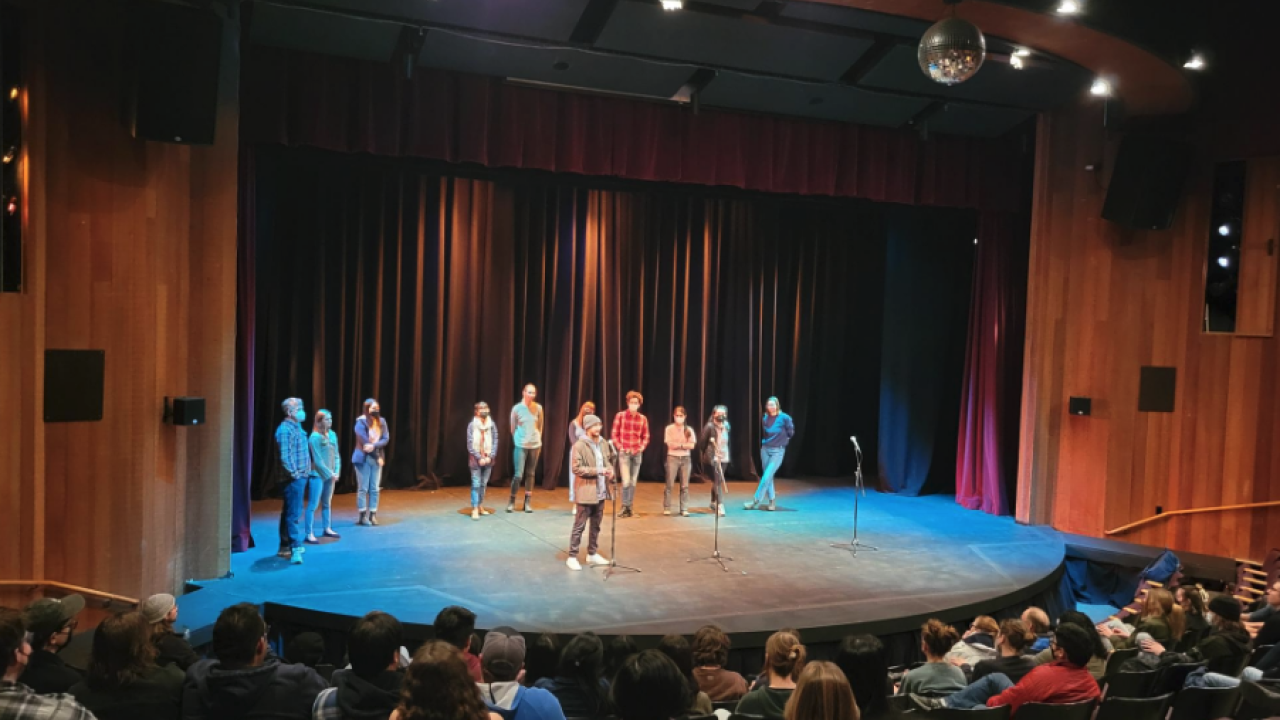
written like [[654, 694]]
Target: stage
[[936, 560]]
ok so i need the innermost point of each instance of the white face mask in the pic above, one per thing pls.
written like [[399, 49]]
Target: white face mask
[[635, 407], [1210, 617]]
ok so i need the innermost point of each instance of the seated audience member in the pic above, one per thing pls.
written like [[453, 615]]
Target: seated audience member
[[680, 651], [243, 682], [1037, 622], [1063, 681], [862, 659], [1097, 666], [17, 701], [370, 690], [579, 682], [936, 677], [1226, 646], [542, 660], [438, 686], [1264, 623], [161, 611], [501, 660], [1267, 606], [649, 686], [978, 643], [1012, 640], [616, 652], [784, 658], [51, 623], [1161, 619], [710, 653], [1192, 602], [822, 693], [123, 682], [456, 625], [306, 648]]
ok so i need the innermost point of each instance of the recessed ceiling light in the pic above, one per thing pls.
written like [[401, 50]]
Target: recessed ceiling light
[[1224, 229], [1069, 7], [672, 4], [1100, 88], [1195, 63], [1224, 261]]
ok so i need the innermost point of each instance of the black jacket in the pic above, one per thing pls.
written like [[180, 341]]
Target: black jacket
[[46, 673], [705, 449], [273, 690], [156, 696], [1225, 651], [361, 699], [174, 650]]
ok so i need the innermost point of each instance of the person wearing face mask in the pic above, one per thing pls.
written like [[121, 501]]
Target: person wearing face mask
[[325, 464], [295, 468], [576, 433], [17, 698], [777, 431], [680, 439], [482, 448], [713, 454], [630, 436], [592, 462], [372, 436], [52, 623]]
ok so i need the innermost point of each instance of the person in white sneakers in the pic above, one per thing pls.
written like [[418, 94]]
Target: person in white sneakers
[[482, 450], [592, 462]]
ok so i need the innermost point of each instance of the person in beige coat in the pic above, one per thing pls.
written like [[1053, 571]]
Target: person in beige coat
[[592, 462]]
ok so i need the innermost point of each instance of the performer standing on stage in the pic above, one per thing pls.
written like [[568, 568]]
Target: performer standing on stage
[[576, 433], [679, 439], [713, 454], [295, 466], [482, 449], [325, 465], [592, 463], [526, 435], [777, 432], [630, 435], [369, 457]]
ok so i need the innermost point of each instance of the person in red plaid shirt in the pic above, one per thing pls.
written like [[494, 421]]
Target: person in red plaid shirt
[[630, 436]]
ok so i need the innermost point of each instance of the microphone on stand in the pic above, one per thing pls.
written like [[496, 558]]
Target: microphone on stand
[[854, 438]]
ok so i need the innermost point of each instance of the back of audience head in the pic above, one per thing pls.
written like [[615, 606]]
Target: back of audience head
[[306, 648], [14, 647], [1074, 642], [455, 624], [503, 655], [438, 686], [1036, 620], [677, 648], [373, 645], [1190, 599], [985, 624], [542, 659], [1226, 614], [649, 686], [937, 637], [710, 647], [862, 659], [122, 651], [784, 656], [617, 651], [1080, 620], [822, 693], [1160, 603], [240, 636], [582, 661], [1015, 634]]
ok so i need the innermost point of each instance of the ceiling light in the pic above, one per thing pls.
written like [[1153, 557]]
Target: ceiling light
[[1224, 261], [1100, 88], [1195, 63], [1068, 7], [672, 4], [1021, 52], [1224, 229], [1016, 62]]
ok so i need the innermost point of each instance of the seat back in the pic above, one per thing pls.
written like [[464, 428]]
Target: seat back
[[1117, 659], [1205, 703], [1130, 684], [1004, 712], [1172, 677], [1122, 708], [1257, 654], [1046, 711]]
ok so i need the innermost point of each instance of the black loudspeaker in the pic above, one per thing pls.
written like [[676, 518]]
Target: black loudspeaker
[[1156, 389], [177, 56], [73, 385], [1147, 182], [1080, 406], [184, 410]]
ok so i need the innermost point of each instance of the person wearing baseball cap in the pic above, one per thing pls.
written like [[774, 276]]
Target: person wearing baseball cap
[[592, 462], [501, 661], [17, 700], [51, 622], [161, 611]]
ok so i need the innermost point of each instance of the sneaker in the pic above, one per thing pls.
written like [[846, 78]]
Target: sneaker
[[295, 558], [528, 505], [302, 550], [312, 539], [475, 513], [364, 518], [511, 506], [626, 513], [684, 513], [328, 532], [666, 511], [749, 505], [283, 553], [926, 703], [597, 559], [485, 511], [373, 518], [573, 563], [770, 507], [721, 511]]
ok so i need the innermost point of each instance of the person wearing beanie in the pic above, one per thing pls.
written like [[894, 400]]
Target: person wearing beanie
[[1226, 646], [592, 462], [161, 611], [51, 622], [501, 660]]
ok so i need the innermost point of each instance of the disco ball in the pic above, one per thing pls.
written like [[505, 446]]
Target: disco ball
[[952, 51]]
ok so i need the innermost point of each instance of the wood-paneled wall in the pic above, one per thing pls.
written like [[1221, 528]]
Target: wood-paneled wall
[[1104, 301], [131, 249]]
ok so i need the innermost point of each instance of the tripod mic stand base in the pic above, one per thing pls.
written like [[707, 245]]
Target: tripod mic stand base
[[720, 559], [855, 546], [613, 568]]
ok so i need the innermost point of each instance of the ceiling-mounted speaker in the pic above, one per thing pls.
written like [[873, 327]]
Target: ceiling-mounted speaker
[[1147, 181], [177, 58]]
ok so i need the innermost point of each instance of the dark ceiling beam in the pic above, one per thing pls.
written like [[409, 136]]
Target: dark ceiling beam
[[770, 9], [872, 57], [929, 111], [592, 21]]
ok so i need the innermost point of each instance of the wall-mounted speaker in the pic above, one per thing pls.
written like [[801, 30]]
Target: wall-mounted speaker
[[73, 385], [184, 410], [1156, 389], [177, 56], [1147, 181], [1080, 406]]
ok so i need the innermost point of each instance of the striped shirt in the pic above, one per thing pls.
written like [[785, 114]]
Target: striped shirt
[[295, 451]]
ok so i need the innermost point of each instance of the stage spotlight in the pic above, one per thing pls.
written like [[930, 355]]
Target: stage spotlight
[[14, 92], [672, 4], [1100, 88], [975, 241], [1224, 261], [10, 154], [11, 207], [1069, 7], [1195, 63], [1224, 229]]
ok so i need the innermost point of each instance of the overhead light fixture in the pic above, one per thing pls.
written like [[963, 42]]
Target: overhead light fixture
[[1195, 63], [1100, 88], [952, 50], [1069, 7], [1022, 52], [1224, 261], [1224, 229], [1015, 61], [672, 4]]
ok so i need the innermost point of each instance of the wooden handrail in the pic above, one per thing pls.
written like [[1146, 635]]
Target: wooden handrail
[[1192, 511], [71, 589]]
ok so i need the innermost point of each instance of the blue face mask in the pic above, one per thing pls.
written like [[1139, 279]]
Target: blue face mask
[[301, 415]]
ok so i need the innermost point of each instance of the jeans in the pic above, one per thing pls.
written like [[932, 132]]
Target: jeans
[[479, 481], [772, 459], [369, 484], [718, 487], [1215, 680], [677, 466], [594, 514], [978, 693], [291, 514], [630, 466], [526, 460], [319, 494]]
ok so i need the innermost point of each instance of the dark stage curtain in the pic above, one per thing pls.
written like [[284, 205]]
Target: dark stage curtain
[[926, 301], [246, 370], [987, 446], [430, 291]]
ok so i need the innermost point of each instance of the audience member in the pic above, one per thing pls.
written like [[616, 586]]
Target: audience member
[[710, 654], [501, 660], [124, 682], [680, 651], [542, 659], [784, 658], [1192, 601], [306, 648], [1264, 622], [52, 623], [579, 682], [243, 682], [862, 659], [936, 677], [1097, 666], [456, 625], [1226, 646], [438, 686], [616, 652], [18, 701], [161, 611], [1037, 622], [1012, 641], [1161, 619], [649, 686], [370, 690], [976, 644], [822, 693]]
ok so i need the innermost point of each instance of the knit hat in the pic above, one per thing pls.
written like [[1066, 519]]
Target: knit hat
[[590, 421], [157, 607], [47, 615], [1225, 608], [503, 653]]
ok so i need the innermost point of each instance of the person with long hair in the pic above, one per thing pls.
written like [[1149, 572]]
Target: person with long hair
[[542, 660], [1226, 646], [123, 681], [679, 439], [784, 658], [326, 463], [526, 440], [579, 683], [680, 651], [630, 435], [368, 459], [862, 659], [1099, 646], [576, 433], [616, 652], [482, 450], [1161, 618], [937, 676], [1012, 640], [161, 611], [822, 693], [710, 655], [437, 686], [712, 452], [978, 643], [1193, 602], [649, 687], [777, 429]]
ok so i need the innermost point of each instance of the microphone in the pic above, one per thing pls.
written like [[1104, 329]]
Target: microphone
[[854, 438]]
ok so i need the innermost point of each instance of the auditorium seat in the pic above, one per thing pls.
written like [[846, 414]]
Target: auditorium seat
[[1125, 708], [1129, 684], [1065, 711], [1172, 677], [1205, 703], [1004, 712], [1117, 659]]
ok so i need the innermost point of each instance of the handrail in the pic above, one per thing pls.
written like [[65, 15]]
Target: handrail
[[71, 588], [1192, 511]]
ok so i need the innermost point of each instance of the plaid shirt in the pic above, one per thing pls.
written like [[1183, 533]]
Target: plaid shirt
[[18, 702], [630, 432], [295, 450]]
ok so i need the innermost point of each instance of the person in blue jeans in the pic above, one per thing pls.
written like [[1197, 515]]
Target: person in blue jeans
[[369, 457], [777, 431], [482, 449], [295, 467], [325, 465]]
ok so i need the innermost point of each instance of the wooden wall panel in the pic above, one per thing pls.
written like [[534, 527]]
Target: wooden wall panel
[[1104, 301]]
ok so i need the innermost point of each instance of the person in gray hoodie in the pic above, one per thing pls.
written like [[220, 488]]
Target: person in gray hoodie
[[501, 661], [370, 690]]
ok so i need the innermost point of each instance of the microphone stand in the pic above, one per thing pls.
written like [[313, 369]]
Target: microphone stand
[[613, 567], [858, 489], [715, 555]]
